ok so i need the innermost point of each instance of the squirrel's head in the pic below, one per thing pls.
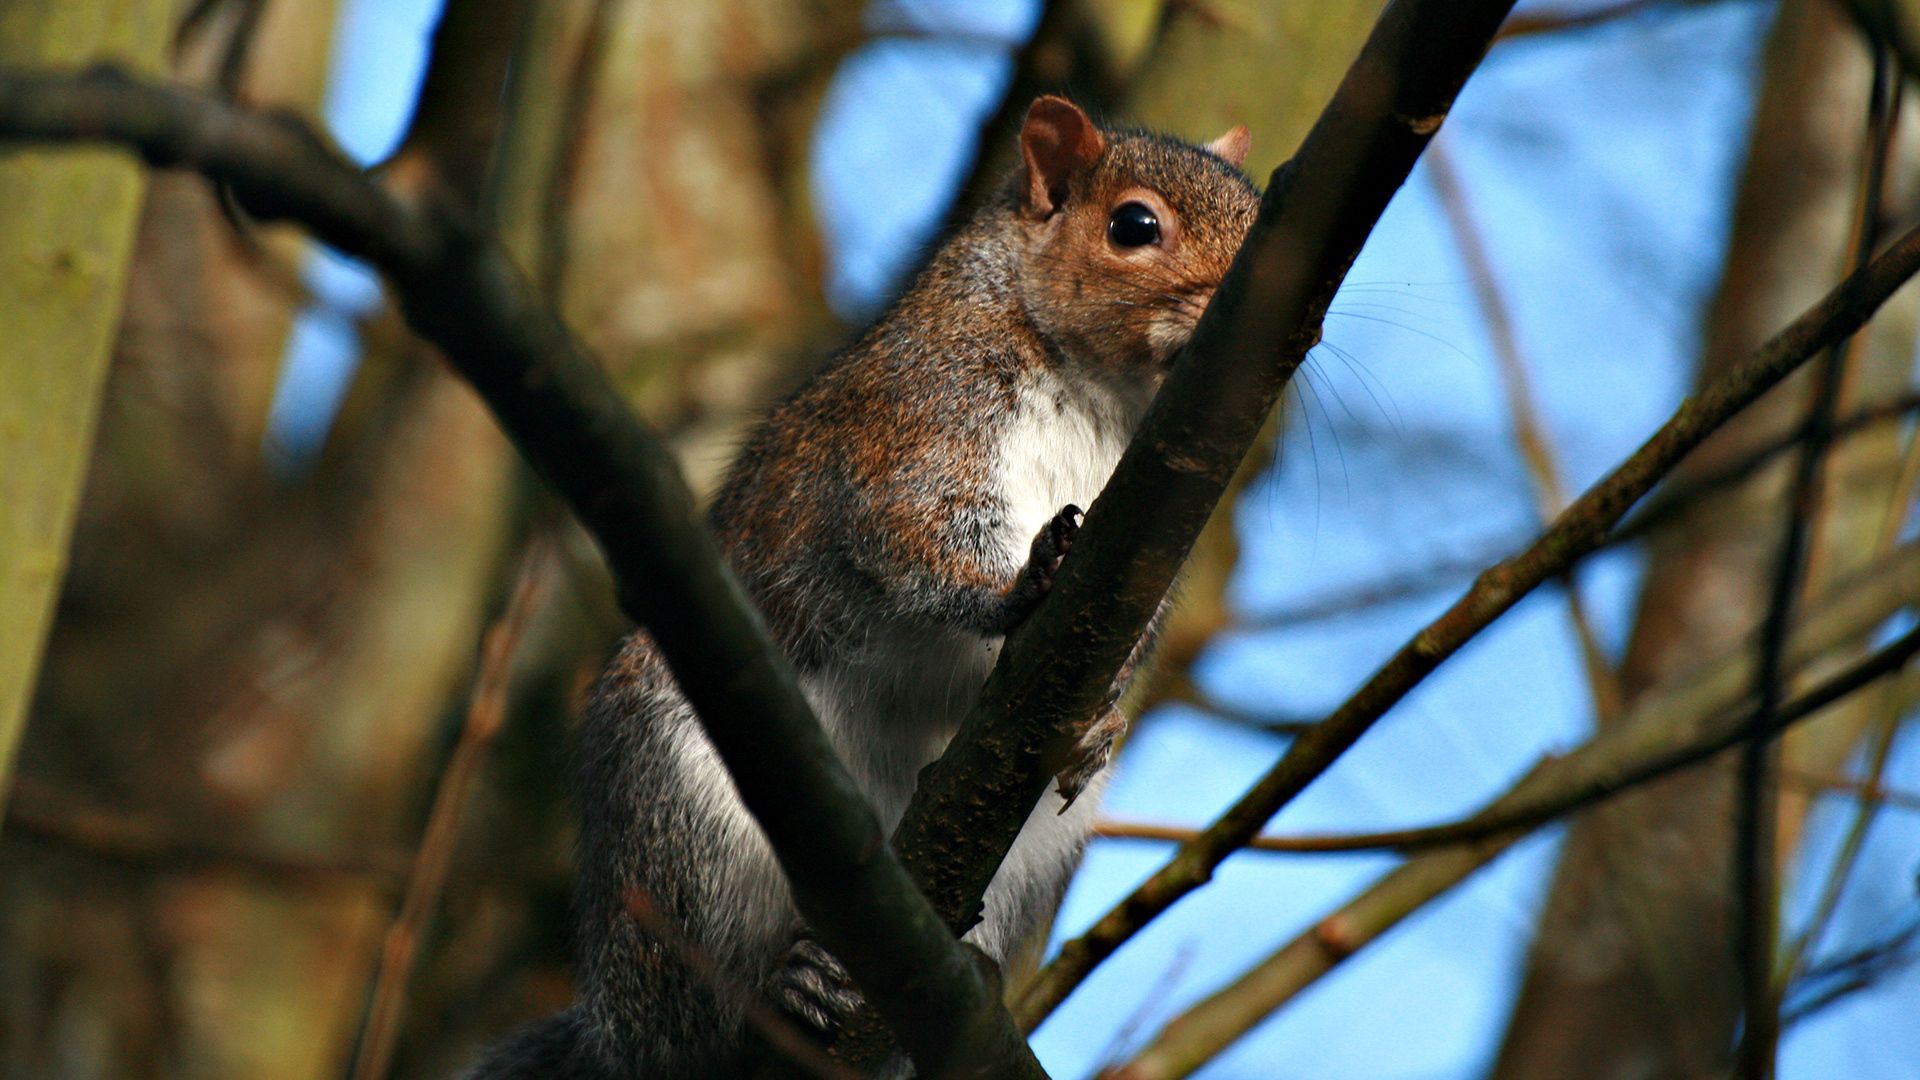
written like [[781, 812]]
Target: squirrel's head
[[1127, 234]]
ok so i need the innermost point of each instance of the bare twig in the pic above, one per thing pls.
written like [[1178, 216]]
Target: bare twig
[[36, 812], [1868, 789], [1215, 1023], [1529, 431], [1443, 573], [1674, 721], [1655, 512], [1852, 972], [459, 290], [1614, 776], [1870, 792], [486, 711], [1576, 532], [1140, 830], [1665, 504]]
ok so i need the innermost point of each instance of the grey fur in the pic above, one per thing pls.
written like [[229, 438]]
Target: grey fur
[[881, 518]]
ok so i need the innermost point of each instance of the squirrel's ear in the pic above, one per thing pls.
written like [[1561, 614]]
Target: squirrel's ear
[[1232, 147], [1057, 140]]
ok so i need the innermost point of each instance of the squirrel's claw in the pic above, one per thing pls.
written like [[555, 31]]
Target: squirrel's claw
[[1090, 756], [1055, 539], [812, 988]]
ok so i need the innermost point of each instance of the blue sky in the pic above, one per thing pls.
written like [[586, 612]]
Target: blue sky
[[1599, 165]]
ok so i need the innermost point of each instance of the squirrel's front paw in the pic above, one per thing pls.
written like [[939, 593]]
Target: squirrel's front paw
[[1043, 562], [812, 988]]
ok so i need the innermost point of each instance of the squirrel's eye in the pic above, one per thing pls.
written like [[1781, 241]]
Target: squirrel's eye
[[1133, 225]]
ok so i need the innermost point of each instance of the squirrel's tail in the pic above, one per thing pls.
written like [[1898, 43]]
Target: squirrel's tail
[[544, 1050]]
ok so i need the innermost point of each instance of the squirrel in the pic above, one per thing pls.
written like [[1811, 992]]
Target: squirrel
[[893, 520]]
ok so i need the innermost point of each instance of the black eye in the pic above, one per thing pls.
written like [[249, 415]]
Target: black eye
[[1133, 225]]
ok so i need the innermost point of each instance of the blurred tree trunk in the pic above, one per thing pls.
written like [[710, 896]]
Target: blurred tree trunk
[[204, 645], [1633, 972], [68, 223]]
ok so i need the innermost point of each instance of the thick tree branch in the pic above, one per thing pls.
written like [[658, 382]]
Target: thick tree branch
[[1580, 529], [458, 290], [1056, 669]]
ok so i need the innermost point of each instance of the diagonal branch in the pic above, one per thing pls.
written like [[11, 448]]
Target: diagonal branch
[[1608, 767], [1210, 1026], [1580, 529], [1667, 728], [1056, 669], [459, 291], [1530, 434], [486, 715]]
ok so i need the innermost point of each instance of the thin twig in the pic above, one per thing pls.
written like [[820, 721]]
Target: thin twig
[[1667, 503], [1685, 710], [1529, 430], [1203, 1031], [1868, 789], [1855, 971], [36, 812], [1880, 739], [1761, 726], [486, 711], [1575, 533], [1175, 834], [1659, 509]]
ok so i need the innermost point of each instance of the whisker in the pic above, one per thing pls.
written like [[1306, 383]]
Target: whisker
[[1394, 419], [1320, 390], [1435, 338]]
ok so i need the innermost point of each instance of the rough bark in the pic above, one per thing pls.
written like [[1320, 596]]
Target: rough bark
[[1278, 102]]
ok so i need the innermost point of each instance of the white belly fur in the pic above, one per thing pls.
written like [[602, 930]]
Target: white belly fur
[[1059, 447]]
